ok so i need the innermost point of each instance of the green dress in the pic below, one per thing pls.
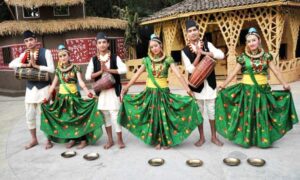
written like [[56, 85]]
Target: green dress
[[157, 116], [70, 116], [252, 114]]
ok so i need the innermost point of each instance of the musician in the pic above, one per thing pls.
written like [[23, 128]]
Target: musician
[[109, 101], [36, 91], [70, 118], [206, 93], [156, 116]]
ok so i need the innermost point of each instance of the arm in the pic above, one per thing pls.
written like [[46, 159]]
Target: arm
[[236, 69], [189, 67], [82, 84], [50, 65], [181, 79], [53, 85], [17, 62], [279, 76], [214, 52], [133, 79]]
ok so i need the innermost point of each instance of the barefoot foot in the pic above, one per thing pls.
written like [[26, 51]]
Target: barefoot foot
[[31, 144], [200, 142], [108, 145], [217, 142], [70, 144], [82, 145], [48, 145], [158, 147]]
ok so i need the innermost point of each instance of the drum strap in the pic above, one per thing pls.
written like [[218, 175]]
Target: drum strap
[[250, 71], [149, 70]]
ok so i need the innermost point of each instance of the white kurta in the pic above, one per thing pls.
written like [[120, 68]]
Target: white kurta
[[207, 92], [35, 95], [108, 99]]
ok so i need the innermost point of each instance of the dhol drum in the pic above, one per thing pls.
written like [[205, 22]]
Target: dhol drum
[[202, 71], [31, 74], [107, 81]]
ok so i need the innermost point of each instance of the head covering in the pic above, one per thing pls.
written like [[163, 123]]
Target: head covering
[[153, 37], [190, 23], [28, 34], [62, 48], [253, 31], [101, 35]]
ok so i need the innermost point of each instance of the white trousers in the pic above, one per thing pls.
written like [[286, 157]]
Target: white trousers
[[111, 117], [33, 113], [209, 105]]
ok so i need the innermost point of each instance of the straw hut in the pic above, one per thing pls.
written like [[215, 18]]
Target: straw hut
[[54, 22], [225, 24]]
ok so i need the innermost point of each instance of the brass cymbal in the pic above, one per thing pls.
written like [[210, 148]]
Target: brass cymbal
[[194, 162], [231, 161], [68, 154], [156, 161], [256, 162], [91, 156]]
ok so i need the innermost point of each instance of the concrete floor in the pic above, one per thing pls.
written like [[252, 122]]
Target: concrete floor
[[283, 159]]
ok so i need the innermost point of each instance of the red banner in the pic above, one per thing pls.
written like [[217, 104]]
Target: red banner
[[121, 50], [18, 49], [81, 49]]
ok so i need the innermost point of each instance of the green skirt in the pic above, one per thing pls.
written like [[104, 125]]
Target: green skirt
[[159, 117], [248, 117], [71, 117]]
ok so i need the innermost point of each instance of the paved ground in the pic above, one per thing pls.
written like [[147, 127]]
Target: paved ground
[[283, 160]]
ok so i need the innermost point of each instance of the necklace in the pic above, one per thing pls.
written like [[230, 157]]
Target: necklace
[[104, 58], [254, 55], [66, 68], [196, 46]]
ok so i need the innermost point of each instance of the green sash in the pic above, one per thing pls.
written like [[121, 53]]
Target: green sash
[[149, 69], [64, 84], [250, 71]]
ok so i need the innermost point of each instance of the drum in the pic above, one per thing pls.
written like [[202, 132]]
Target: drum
[[31, 74], [202, 71], [107, 81]]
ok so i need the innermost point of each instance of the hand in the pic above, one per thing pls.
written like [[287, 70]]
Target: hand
[[199, 51], [124, 90], [104, 68], [90, 95], [221, 87], [286, 87], [35, 55], [190, 93], [45, 101]]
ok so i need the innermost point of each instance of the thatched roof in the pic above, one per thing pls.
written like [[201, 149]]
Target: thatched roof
[[59, 26], [191, 7], [38, 3]]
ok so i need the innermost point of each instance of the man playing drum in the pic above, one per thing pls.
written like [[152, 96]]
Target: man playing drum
[[206, 93], [36, 91], [109, 101]]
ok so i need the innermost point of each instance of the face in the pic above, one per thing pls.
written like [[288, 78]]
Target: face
[[63, 57], [193, 33], [155, 47], [252, 42], [30, 42], [102, 45]]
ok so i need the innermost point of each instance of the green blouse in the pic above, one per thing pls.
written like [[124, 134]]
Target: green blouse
[[259, 65], [70, 76], [160, 69]]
